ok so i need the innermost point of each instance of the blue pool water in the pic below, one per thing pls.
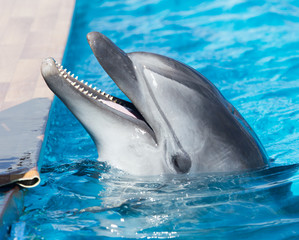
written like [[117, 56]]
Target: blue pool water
[[250, 51]]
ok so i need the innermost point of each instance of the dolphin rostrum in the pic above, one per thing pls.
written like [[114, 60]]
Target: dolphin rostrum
[[177, 120]]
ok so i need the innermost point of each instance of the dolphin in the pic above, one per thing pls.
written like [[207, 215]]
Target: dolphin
[[177, 120]]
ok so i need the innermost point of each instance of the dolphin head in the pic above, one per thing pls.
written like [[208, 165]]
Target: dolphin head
[[177, 120]]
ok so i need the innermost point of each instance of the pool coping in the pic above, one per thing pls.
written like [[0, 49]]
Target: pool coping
[[31, 31]]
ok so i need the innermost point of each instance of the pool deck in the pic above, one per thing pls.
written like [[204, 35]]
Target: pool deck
[[30, 30]]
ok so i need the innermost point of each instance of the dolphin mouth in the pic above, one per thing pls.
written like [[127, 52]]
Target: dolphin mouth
[[93, 94]]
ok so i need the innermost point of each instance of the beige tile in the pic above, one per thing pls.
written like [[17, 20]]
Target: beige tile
[[24, 80], [42, 90], [37, 44], [16, 31], [46, 15], [27, 70], [30, 30], [24, 8], [5, 11], [9, 58], [3, 90]]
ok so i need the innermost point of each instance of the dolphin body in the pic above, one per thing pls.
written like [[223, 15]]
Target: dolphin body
[[178, 121]]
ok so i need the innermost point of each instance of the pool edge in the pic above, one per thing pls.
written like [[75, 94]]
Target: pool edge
[[11, 203]]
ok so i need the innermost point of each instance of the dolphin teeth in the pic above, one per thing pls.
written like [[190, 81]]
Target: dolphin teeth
[[81, 89], [95, 88], [95, 97], [86, 83], [58, 64], [90, 85], [103, 93], [60, 68], [89, 94], [64, 71], [69, 73], [76, 77], [73, 83], [65, 75], [85, 92], [111, 98], [99, 91], [77, 86], [72, 75], [82, 81]]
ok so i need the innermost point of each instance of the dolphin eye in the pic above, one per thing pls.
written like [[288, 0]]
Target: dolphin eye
[[181, 163]]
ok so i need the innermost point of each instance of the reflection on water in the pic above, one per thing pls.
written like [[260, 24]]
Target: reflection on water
[[250, 51]]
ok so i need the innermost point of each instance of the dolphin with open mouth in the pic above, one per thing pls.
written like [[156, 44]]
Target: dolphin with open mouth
[[177, 120]]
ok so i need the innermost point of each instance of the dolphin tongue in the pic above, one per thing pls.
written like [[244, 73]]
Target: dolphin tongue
[[119, 108]]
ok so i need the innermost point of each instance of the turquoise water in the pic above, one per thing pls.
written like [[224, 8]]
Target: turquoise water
[[250, 51]]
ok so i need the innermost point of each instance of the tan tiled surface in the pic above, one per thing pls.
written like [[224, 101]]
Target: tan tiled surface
[[30, 30]]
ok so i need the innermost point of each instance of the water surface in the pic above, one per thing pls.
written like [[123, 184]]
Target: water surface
[[250, 51]]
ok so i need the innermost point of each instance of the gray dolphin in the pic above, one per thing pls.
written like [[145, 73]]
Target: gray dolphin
[[178, 121]]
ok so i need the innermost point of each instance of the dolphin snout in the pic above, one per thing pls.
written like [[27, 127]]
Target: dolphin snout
[[48, 68], [93, 36]]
